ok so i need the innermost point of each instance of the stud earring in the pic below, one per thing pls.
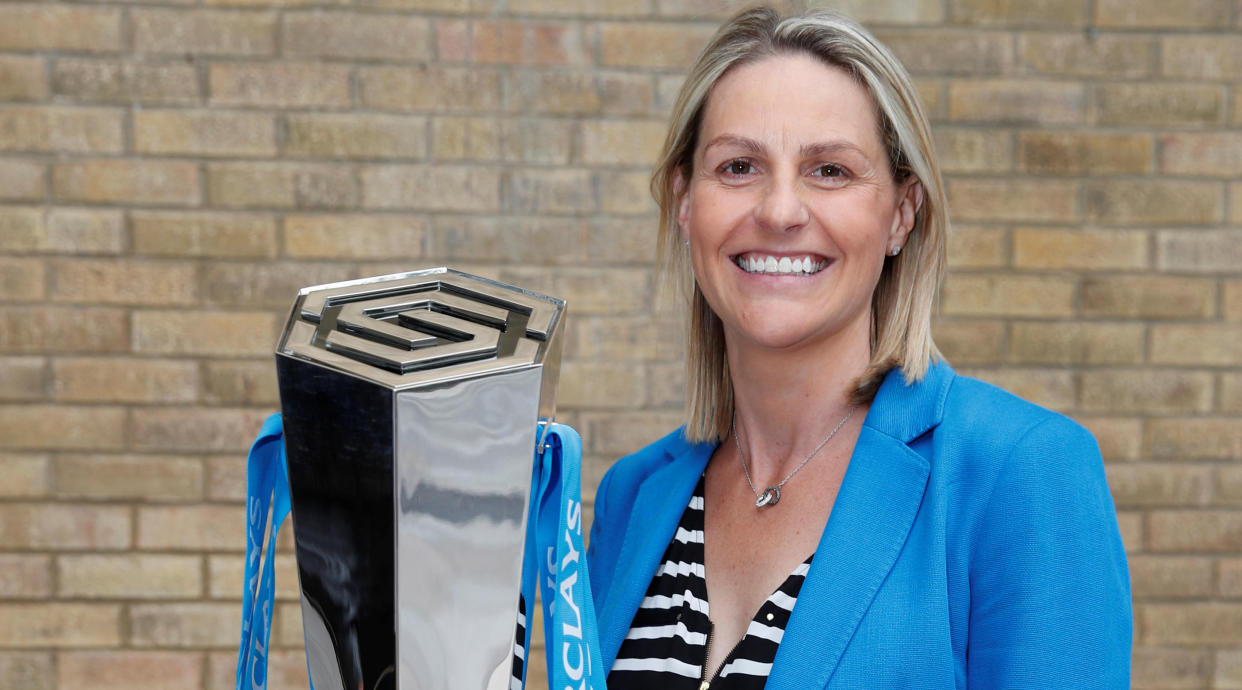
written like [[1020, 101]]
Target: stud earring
[[894, 251]]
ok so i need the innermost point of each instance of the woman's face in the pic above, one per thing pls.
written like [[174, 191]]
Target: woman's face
[[791, 208]]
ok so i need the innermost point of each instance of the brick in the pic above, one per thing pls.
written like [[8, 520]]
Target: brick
[[61, 426], [601, 385], [203, 32], [56, 129], [210, 333], [1151, 203], [1080, 55], [62, 625], [352, 35], [1149, 391], [279, 84], [452, 37], [619, 241], [1013, 200], [1185, 153], [1211, 344], [62, 329], [1228, 669], [115, 281], [624, 94], [1140, 485], [1203, 530], [22, 78], [972, 150], [429, 88], [431, 188], [1085, 250], [22, 179], [952, 51], [266, 285], [1193, 251], [1077, 153], [281, 185], [624, 194], [1051, 388], [978, 247], [129, 576], [60, 27], [1192, 437], [354, 136], [1038, 13], [21, 228], [192, 528], [587, 8], [1230, 577], [1232, 302], [666, 386], [106, 379], [970, 342], [614, 434], [619, 292], [127, 181], [1119, 438], [125, 81], [561, 92], [64, 527], [1229, 485], [23, 475], [1153, 14], [200, 234], [85, 231], [129, 670], [204, 133], [226, 477], [893, 11], [196, 429], [1231, 392], [1143, 297], [1159, 105], [186, 625], [240, 383], [643, 44], [489, 139], [21, 279], [23, 378], [1205, 624], [1007, 295], [129, 477], [932, 95], [1201, 57], [27, 670], [226, 577], [527, 42], [1025, 101], [287, 626], [1174, 577], [627, 143], [25, 577], [508, 240], [547, 191], [1130, 524], [1076, 343], [626, 339], [1167, 668]]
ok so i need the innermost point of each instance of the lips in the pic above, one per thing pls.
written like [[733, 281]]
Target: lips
[[793, 265]]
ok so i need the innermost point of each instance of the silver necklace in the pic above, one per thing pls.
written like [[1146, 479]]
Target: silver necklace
[[772, 495]]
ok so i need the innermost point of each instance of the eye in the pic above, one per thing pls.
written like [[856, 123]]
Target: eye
[[738, 166], [830, 171]]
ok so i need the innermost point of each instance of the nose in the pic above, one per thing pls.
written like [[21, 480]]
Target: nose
[[781, 208]]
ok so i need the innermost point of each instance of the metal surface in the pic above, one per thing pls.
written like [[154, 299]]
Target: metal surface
[[410, 405]]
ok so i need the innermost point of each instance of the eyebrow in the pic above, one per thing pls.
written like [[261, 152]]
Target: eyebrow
[[807, 151]]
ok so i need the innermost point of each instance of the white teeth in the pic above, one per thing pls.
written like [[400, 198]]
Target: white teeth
[[781, 266]]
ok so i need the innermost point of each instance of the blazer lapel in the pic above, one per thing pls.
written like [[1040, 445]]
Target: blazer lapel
[[657, 509], [874, 510]]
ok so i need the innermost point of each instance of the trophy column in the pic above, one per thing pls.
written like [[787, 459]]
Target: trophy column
[[410, 406]]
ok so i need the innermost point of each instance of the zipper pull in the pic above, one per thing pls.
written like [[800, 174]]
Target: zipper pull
[[704, 684]]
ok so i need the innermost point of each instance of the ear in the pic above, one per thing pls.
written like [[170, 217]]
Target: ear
[[681, 192], [909, 201]]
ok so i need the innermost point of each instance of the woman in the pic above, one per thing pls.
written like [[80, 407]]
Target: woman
[[841, 510]]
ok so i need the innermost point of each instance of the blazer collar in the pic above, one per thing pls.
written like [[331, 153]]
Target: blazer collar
[[879, 498]]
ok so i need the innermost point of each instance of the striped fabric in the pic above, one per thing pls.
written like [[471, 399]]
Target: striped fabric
[[666, 646]]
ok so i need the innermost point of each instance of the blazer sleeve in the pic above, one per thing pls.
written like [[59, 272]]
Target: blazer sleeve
[[1049, 585]]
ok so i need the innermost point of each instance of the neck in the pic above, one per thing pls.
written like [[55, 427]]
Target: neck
[[787, 401]]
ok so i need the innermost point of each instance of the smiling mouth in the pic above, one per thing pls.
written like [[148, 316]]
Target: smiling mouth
[[764, 264]]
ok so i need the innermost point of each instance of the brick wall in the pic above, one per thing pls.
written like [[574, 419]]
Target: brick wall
[[171, 172]]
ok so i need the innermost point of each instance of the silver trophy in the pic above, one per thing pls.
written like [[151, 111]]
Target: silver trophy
[[411, 404]]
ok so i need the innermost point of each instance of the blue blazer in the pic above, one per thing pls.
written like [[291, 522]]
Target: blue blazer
[[973, 543]]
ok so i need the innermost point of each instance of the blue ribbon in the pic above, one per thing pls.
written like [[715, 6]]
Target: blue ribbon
[[267, 488]]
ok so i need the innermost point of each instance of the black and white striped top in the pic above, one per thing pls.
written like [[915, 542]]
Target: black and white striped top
[[667, 644]]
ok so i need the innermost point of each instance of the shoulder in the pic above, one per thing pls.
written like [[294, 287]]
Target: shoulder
[[626, 475]]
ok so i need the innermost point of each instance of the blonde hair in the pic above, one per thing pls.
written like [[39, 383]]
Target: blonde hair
[[905, 295]]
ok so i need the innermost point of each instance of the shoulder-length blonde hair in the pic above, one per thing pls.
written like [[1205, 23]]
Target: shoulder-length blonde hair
[[902, 304]]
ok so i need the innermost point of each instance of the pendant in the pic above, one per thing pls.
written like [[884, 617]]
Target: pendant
[[770, 497]]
